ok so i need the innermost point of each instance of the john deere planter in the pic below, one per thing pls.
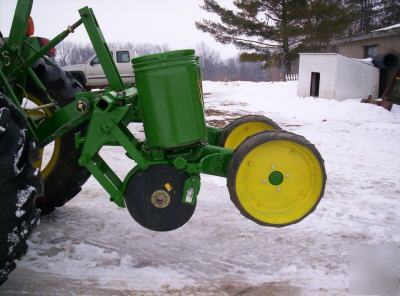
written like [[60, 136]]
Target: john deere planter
[[274, 177]]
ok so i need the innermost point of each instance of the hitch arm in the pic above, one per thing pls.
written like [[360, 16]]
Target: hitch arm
[[52, 43], [101, 48]]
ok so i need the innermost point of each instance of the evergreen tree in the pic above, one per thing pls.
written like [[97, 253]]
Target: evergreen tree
[[366, 16], [275, 31], [390, 13]]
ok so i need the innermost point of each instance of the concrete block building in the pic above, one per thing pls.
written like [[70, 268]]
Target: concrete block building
[[333, 76]]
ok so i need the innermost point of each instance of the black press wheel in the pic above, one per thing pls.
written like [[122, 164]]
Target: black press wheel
[[154, 198]]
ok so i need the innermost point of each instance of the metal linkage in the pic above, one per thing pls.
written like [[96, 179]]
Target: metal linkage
[[101, 48], [108, 113]]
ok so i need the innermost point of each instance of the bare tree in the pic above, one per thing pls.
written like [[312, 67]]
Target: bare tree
[[69, 53], [213, 66]]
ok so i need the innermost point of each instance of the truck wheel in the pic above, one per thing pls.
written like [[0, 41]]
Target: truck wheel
[[19, 183], [63, 177]]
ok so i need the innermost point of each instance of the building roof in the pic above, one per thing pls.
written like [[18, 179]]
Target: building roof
[[383, 32], [389, 28], [367, 61], [318, 53]]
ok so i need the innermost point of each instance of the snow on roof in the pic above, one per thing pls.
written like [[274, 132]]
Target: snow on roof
[[388, 28], [318, 53], [367, 61]]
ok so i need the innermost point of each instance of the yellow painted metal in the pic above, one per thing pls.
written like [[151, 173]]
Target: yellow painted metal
[[50, 165], [243, 131], [55, 153], [292, 199]]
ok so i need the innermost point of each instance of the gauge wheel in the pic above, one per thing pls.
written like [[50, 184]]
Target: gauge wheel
[[241, 128], [276, 178]]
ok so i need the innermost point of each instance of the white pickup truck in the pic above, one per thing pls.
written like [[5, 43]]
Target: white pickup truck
[[91, 74]]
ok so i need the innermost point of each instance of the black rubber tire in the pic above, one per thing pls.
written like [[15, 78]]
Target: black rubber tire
[[138, 194], [66, 179], [254, 141], [245, 119], [19, 183]]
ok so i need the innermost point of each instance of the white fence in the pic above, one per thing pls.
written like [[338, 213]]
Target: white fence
[[292, 77]]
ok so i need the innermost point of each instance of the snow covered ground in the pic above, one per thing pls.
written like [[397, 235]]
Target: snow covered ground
[[91, 247]]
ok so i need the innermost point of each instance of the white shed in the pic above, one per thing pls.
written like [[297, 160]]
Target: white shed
[[333, 76]]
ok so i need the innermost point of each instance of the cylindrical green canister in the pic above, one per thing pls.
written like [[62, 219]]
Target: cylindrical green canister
[[170, 99], [200, 79]]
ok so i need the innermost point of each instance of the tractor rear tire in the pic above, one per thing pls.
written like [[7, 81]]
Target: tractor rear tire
[[19, 183], [66, 177]]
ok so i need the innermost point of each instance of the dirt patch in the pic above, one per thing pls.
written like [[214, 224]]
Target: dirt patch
[[292, 125], [215, 112], [218, 123], [224, 117], [232, 103], [240, 289]]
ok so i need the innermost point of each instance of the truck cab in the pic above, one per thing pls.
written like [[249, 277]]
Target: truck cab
[[91, 74]]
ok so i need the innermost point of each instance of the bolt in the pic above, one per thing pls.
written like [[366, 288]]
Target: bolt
[[160, 199], [278, 189], [82, 106], [273, 167]]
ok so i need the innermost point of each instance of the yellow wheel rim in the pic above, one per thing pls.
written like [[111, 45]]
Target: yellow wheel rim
[[245, 130], [47, 166], [279, 182]]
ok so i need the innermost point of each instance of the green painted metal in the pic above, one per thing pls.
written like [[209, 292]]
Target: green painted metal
[[106, 126], [200, 79], [40, 86], [8, 88], [64, 119], [213, 135], [170, 99], [19, 24], [101, 48], [191, 189], [215, 160]]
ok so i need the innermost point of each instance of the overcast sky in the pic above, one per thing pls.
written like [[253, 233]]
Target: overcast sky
[[138, 21]]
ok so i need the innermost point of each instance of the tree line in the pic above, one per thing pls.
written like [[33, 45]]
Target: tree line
[[273, 32], [213, 66]]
